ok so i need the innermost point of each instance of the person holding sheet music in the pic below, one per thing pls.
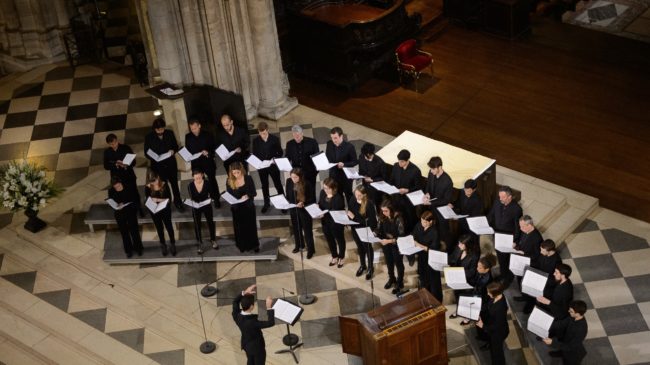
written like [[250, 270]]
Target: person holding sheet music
[[504, 218], [158, 191], [440, 188], [200, 190], [126, 217], [329, 199], [300, 192], [465, 255], [558, 303], [569, 335], [528, 245], [373, 168], [362, 210], [252, 338], [425, 236], [299, 151], [113, 157], [267, 147], [406, 177], [343, 154], [391, 226], [161, 141], [234, 138], [201, 141], [547, 261], [468, 203], [244, 221], [481, 279], [494, 323]]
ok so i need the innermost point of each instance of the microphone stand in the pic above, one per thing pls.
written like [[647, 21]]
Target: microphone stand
[[207, 290], [370, 264], [290, 339], [303, 298], [206, 347]]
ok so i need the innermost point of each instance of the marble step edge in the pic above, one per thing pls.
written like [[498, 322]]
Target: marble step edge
[[123, 289], [12, 348]]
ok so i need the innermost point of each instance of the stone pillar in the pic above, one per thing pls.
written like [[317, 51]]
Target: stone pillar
[[167, 35], [273, 83]]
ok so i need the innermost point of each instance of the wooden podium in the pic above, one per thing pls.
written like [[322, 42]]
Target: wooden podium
[[407, 331]]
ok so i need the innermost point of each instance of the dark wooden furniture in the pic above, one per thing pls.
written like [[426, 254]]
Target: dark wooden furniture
[[407, 331], [507, 18]]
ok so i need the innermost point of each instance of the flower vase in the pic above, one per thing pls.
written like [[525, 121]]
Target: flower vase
[[33, 224]]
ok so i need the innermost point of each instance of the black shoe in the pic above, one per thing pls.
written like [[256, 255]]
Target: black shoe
[[257, 249], [389, 284], [310, 255], [340, 263], [485, 347], [397, 289], [179, 205], [555, 353], [295, 250], [129, 255], [333, 261], [411, 259], [172, 248], [360, 271], [139, 252], [265, 208], [163, 249], [453, 316], [369, 273], [465, 322], [217, 204], [520, 298]]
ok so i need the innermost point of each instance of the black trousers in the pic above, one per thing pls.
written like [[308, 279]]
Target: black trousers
[[127, 222], [302, 229], [394, 259], [504, 267], [256, 357], [311, 177], [496, 350], [345, 188], [264, 179], [364, 250], [164, 218], [207, 213], [335, 237], [429, 278]]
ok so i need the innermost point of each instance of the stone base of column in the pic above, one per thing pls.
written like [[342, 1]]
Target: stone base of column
[[277, 111], [23, 64]]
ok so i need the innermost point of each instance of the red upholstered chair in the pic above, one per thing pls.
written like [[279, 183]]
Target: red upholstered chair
[[411, 60]]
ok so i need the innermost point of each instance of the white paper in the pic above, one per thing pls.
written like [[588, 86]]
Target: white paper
[[283, 164], [416, 197], [503, 243], [315, 211], [115, 205], [406, 245], [438, 260], [534, 282], [449, 213], [128, 158], [479, 225], [285, 311], [385, 187], [156, 157], [321, 162], [223, 153], [455, 278], [187, 156], [341, 217], [156, 207], [196, 205], [352, 173], [280, 202], [469, 307], [231, 199], [539, 322], [171, 92], [518, 263], [257, 163], [365, 235]]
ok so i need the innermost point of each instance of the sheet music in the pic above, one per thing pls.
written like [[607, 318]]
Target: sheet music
[[196, 205], [171, 92], [128, 158], [187, 156], [156, 207], [280, 202], [479, 225], [518, 263], [449, 213], [223, 152], [286, 312], [416, 197], [539, 322], [352, 173], [534, 282], [455, 278], [406, 245], [503, 243], [321, 162], [469, 307], [283, 164], [385, 187], [315, 211], [257, 163], [156, 157], [341, 217], [115, 205], [365, 235], [231, 198], [438, 260]]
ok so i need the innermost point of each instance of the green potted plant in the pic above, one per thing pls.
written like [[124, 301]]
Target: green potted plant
[[23, 186]]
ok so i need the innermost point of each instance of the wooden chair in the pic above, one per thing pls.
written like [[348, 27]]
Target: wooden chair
[[411, 60]]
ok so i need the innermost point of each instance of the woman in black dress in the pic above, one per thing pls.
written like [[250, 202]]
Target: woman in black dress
[[244, 220], [362, 210], [465, 255], [158, 191], [126, 218], [199, 192], [330, 200], [494, 325], [300, 192], [391, 226], [425, 236]]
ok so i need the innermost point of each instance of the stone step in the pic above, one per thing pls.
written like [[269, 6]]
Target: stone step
[[14, 352]]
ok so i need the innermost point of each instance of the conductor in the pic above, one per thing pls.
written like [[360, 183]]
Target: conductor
[[252, 339]]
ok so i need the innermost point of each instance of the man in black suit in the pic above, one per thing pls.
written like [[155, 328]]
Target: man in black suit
[[372, 168], [252, 338], [234, 138], [406, 177], [558, 304], [267, 147], [440, 188], [299, 151], [468, 203], [113, 156], [343, 154], [161, 141], [570, 334], [504, 218], [201, 141]]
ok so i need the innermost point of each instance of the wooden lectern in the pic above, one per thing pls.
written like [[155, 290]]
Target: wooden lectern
[[407, 331]]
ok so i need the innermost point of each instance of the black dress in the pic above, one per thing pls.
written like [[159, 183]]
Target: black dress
[[468, 263], [495, 326], [392, 229], [301, 220], [429, 278], [333, 231], [206, 210], [367, 220], [244, 220]]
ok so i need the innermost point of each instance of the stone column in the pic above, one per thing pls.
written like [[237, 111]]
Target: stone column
[[167, 35]]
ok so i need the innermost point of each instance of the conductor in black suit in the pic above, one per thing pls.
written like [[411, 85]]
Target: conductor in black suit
[[343, 154], [252, 338]]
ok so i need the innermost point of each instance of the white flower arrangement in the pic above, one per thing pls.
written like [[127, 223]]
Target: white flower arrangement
[[23, 186]]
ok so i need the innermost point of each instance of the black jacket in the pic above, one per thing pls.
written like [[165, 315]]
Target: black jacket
[[196, 144], [300, 154], [250, 327], [375, 169], [161, 146], [560, 300], [367, 220], [239, 139], [441, 188], [571, 335], [472, 206], [505, 218], [267, 150], [408, 178], [496, 322], [343, 153], [529, 243], [127, 175]]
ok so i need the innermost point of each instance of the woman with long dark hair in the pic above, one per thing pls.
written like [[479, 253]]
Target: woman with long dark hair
[[158, 191], [244, 220], [362, 210], [330, 200], [300, 192], [200, 190], [465, 255], [391, 226]]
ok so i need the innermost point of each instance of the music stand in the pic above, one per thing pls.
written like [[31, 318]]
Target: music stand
[[290, 339]]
